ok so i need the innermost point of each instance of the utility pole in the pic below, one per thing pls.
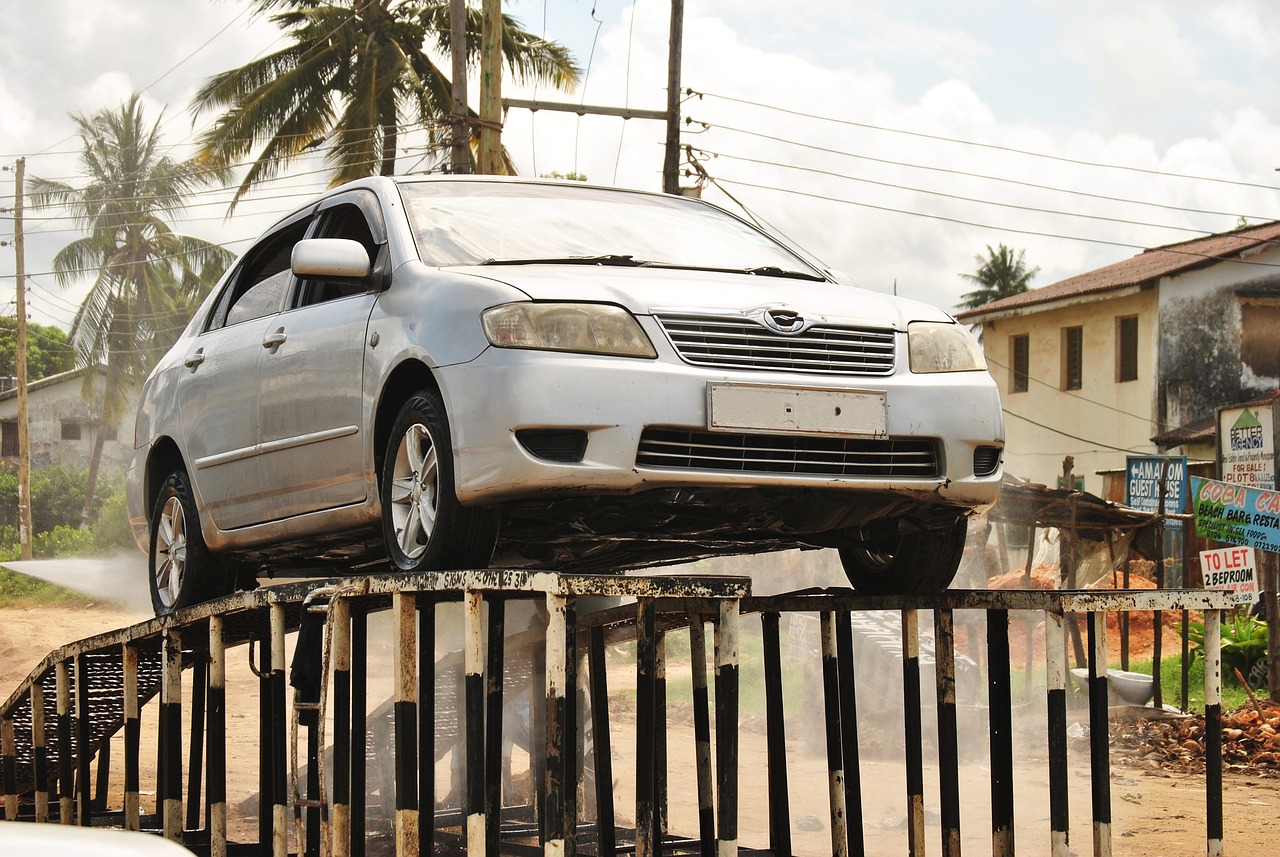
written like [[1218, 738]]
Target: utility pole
[[24, 433], [460, 158], [671, 159], [491, 88]]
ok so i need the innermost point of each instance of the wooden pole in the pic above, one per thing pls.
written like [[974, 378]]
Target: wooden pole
[[460, 157], [25, 534], [491, 88], [671, 159]]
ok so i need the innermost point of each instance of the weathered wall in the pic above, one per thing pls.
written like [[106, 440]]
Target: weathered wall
[[51, 404]]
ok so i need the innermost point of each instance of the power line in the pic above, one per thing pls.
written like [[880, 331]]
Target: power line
[[993, 146]]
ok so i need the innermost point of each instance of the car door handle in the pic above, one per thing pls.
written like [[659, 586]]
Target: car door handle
[[194, 359], [274, 340]]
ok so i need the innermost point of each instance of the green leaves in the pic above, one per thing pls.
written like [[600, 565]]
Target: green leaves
[[1244, 641]]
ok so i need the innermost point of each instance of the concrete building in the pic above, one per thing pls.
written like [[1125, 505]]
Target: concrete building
[[62, 423], [1097, 365]]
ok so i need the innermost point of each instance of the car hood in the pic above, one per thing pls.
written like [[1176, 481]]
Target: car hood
[[645, 290]]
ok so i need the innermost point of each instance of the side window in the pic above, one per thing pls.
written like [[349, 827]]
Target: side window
[[257, 288], [341, 221]]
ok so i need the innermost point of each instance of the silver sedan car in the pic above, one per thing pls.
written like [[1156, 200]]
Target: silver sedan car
[[442, 372]]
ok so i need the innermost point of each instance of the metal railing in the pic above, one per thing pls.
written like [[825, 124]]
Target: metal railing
[[60, 724]]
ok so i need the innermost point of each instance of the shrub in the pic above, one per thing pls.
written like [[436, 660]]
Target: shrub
[[62, 541], [1244, 644]]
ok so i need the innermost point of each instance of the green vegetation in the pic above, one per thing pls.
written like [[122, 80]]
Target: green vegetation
[[57, 494], [49, 351]]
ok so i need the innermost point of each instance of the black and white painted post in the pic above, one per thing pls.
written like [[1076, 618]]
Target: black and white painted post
[[1055, 647], [1099, 734], [914, 749], [473, 694], [1000, 724], [40, 757], [171, 724], [65, 771], [84, 800], [776, 738], [216, 769], [132, 738], [405, 664], [340, 648], [280, 729], [702, 734], [727, 658], [559, 805], [835, 737], [944, 661], [1213, 730], [9, 749]]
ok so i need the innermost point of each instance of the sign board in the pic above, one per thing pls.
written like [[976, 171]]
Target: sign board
[[1142, 483], [1247, 445], [1236, 514], [1232, 569]]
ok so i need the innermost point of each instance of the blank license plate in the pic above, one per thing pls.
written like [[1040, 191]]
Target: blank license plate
[[806, 410]]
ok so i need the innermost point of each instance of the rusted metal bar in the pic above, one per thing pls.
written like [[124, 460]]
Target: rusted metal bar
[[660, 738], [1213, 731], [569, 729], [280, 726], [426, 726], [171, 717], [776, 738], [359, 726], [602, 746], [835, 740], [914, 732], [473, 695], [646, 772], [1000, 717], [340, 648], [84, 752], [1099, 739], [702, 734], [493, 725], [405, 665], [849, 734], [9, 748], [944, 661], [195, 749], [266, 738], [556, 723], [727, 636], [40, 757], [1055, 645], [216, 775]]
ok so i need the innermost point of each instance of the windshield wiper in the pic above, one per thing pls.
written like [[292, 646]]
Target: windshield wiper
[[775, 271], [612, 259]]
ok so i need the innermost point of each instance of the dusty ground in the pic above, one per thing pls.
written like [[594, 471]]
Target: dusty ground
[[1154, 813]]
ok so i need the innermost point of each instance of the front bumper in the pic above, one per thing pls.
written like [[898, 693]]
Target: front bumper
[[613, 400]]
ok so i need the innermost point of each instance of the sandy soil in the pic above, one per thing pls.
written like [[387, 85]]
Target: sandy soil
[[1154, 813]]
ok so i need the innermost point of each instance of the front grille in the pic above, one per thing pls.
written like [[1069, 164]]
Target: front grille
[[737, 342], [681, 449]]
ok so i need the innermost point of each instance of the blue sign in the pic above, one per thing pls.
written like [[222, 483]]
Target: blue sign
[[1236, 514], [1142, 483]]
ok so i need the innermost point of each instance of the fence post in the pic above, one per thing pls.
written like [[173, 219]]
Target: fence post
[[1213, 730]]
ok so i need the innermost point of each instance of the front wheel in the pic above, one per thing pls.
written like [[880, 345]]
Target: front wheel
[[920, 563], [181, 569], [423, 524]]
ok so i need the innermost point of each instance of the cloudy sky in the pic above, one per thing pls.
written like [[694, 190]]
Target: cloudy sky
[[894, 140]]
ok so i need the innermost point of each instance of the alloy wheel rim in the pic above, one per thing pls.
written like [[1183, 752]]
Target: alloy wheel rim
[[171, 552], [415, 490]]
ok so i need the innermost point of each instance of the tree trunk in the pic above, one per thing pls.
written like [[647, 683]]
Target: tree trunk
[[105, 419]]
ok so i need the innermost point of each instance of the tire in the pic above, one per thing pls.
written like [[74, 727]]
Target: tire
[[181, 569], [920, 563], [423, 524]]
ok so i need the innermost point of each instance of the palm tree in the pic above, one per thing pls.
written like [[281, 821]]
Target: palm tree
[[1001, 273], [147, 278], [355, 74]]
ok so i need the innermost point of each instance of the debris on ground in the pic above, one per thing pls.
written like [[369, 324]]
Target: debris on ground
[[1250, 742]]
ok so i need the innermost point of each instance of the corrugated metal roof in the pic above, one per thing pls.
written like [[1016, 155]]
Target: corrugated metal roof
[[1147, 266]]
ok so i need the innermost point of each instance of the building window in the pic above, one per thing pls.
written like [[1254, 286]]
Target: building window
[[1019, 362], [1259, 327], [9, 438], [112, 434], [1072, 357], [1127, 348], [70, 430]]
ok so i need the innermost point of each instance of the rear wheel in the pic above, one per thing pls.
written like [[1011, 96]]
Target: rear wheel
[[423, 524], [917, 563], [182, 571]]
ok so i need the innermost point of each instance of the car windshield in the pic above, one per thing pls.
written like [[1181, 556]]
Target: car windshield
[[477, 222]]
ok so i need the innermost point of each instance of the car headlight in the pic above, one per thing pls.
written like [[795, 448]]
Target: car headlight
[[582, 328], [943, 347]]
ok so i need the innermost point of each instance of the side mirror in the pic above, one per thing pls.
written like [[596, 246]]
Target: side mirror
[[330, 257]]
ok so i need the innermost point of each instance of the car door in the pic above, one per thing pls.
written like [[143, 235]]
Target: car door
[[218, 394], [311, 395]]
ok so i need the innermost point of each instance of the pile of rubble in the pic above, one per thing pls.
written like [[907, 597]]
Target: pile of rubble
[[1250, 742]]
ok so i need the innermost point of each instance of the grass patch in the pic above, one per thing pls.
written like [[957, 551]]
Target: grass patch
[[18, 590]]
